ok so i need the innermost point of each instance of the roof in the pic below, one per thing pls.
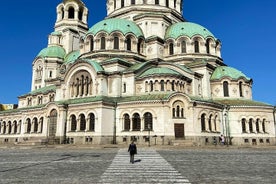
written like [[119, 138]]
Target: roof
[[72, 56], [240, 102], [53, 52], [159, 71], [114, 24], [226, 71], [188, 29]]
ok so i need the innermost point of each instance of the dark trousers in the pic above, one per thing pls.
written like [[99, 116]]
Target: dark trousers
[[132, 158]]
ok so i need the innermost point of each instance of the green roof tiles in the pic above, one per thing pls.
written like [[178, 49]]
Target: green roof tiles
[[112, 25], [95, 64], [240, 102], [72, 56], [226, 71], [159, 71], [187, 29], [53, 52]]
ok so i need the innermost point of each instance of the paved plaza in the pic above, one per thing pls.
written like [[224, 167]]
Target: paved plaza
[[87, 165]]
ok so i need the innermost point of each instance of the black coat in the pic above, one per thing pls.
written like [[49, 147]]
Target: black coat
[[132, 149]]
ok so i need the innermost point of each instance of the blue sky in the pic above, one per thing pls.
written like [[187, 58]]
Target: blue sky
[[246, 29]]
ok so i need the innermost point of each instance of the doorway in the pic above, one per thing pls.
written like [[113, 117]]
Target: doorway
[[179, 131]]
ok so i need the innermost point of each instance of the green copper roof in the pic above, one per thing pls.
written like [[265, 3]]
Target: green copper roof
[[52, 51], [95, 65], [226, 71], [158, 71], [43, 90], [241, 102], [187, 29], [72, 56], [111, 25], [56, 33]]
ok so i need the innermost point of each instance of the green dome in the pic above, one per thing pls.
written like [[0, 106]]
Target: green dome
[[226, 71], [111, 25], [53, 52], [72, 56], [159, 71], [187, 29]]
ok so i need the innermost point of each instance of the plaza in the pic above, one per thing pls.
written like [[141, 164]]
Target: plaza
[[83, 165]]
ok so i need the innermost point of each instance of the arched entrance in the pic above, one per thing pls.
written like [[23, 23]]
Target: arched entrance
[[52, 126]]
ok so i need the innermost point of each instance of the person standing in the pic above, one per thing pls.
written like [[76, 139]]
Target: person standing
[[222, 140], [132, 149]]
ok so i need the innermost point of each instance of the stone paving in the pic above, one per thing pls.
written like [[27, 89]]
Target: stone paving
[[157, 165]]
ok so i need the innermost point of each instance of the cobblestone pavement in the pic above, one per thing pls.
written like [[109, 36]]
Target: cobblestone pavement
[[157, 165]]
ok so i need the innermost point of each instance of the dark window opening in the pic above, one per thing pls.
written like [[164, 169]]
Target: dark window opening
[[71, 13]]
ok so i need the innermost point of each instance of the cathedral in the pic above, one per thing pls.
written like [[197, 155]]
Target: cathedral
[[143, 73]]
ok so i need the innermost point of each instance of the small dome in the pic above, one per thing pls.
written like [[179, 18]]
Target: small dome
[[187, 29], [111, 25], [226, 71], [53, 52]]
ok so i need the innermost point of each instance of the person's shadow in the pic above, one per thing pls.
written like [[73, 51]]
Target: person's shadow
[[139, 160]]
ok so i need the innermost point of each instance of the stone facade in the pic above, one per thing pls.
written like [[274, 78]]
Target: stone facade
[[143, 72]]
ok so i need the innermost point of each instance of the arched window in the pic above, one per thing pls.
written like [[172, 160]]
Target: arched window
[[250, 125], [215, 123], [126, 122], [73, 123], [196, 46], [115, 5], [210, 123], [151, 86], [15, 127], [162, 85], [122, 3], [9, 127], [62, 13], [136, 120], [29, 126], [263, 126], [81, 14], [183, 47], [148, 121], [240, 88], [173, 86], [178, 111], [35, 125], [157, 2], [82, 123], [225, 89], [258, 125], [91, 44], [174, 3], [243, 125], [171, 49], [4, 127], [71, 13], [116, 43], [102, 43], [208, 46], [128, 43], [41, 124], [167, 3], [124, 88], [133, 2], [203, 126], [91, 122], [140, 46]]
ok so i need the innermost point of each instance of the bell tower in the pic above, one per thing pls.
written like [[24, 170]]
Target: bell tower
[[71, 24]]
